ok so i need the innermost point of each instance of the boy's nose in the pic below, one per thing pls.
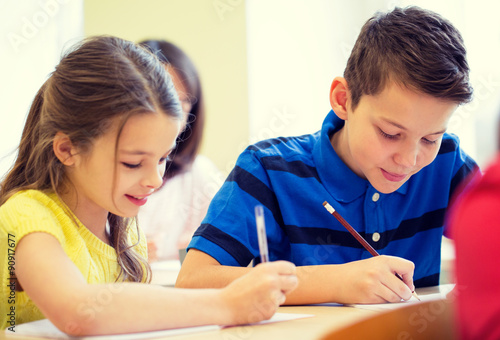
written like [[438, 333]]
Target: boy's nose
[[407, 156]]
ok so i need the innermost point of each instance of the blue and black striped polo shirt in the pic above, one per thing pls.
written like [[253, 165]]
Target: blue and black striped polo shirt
[[292, 177]]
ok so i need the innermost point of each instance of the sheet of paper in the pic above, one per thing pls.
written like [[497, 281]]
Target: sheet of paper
[[441, 294], [279, 317], [45, 329]]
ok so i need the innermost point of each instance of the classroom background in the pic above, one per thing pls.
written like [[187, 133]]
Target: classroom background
[[265, 65]]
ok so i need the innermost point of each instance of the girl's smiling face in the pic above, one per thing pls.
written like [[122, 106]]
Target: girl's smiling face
[[392, 135], [118, 176]]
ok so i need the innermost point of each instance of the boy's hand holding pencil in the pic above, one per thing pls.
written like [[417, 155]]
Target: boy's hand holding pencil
[[407, 270]]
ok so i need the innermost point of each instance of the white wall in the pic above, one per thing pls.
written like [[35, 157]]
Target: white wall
[[297, 47], [33, 34]]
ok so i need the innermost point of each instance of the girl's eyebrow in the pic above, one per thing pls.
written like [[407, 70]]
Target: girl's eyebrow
[[136, 152], [141, 152]]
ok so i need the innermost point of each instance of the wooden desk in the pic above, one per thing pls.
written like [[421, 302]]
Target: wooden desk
[[326, 319]]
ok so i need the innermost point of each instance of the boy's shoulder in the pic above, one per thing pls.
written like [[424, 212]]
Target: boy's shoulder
[[450, 143], [451, 162], [451, 154], [289, 148]]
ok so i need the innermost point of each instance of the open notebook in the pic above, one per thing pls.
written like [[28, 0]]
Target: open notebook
[[45, 329]]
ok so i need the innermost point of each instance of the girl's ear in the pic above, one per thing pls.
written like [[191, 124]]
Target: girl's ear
[[64, 149], [339, 97]]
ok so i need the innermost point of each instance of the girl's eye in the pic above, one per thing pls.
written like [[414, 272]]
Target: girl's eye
[[388, 136], [131, 166]]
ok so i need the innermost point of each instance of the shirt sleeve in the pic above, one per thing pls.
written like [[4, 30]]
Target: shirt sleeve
[[228, 232]]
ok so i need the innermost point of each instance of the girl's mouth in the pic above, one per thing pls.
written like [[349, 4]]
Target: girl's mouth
[[137, 200]]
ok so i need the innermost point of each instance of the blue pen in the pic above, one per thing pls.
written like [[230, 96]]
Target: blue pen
[[261, 233]]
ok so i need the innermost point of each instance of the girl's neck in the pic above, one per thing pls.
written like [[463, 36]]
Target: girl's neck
[[93, 217]]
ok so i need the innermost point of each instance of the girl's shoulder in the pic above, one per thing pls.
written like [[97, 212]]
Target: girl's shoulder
[[29, 198], [31, 210]]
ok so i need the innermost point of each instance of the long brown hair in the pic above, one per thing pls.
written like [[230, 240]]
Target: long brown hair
[[99, 80]]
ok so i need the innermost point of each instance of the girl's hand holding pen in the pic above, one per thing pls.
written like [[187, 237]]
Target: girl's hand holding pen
[[267, 285]]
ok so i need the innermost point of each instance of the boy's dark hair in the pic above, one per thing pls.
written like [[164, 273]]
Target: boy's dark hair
[[414, 47]]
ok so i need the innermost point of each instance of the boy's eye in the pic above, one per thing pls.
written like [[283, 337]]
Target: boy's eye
[[428, 141], [131, 166], [386, 135]]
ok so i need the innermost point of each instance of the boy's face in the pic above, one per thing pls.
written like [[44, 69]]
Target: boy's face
[[392, 135]]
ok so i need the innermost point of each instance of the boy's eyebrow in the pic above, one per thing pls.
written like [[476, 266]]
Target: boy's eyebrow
[[438, 133], [394, 123], [405, 129]]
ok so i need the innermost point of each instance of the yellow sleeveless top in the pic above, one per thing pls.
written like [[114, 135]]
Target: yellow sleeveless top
[[36, 211]]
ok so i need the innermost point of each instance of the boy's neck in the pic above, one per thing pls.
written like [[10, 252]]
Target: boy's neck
[[340, 145], [336, 142]]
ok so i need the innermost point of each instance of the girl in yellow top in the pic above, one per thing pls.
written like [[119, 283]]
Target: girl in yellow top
[[93, 149]]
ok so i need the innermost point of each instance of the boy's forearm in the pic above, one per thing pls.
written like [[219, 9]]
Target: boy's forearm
[[200, 270], [368, 281], [316, 285], [211, 277], [313, 281]]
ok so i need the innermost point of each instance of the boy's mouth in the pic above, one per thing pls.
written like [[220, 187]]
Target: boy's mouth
[[393, 177]]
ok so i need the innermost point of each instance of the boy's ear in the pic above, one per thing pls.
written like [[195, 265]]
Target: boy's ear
[[339, 96], [64, 149]]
